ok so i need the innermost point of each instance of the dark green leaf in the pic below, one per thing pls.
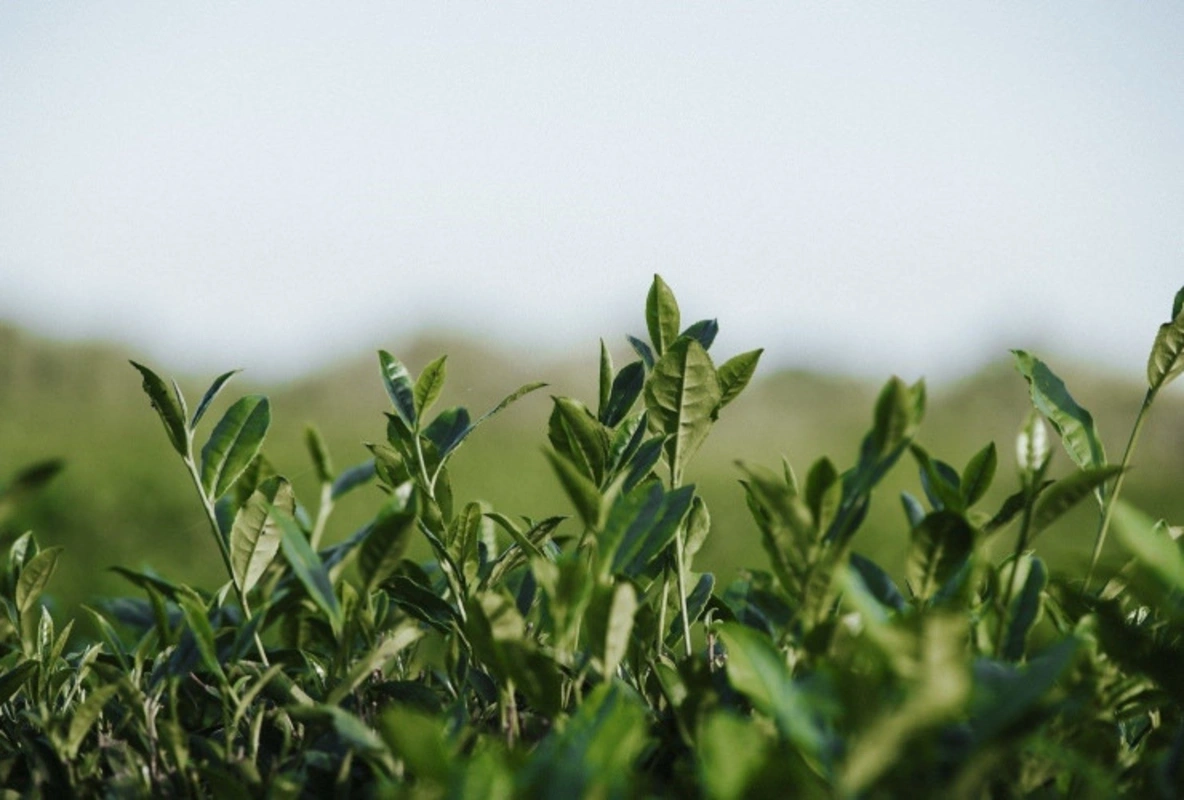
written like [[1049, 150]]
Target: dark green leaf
[[1025, 607], [232, 446], [979, 473], [584, 494], [167, 407], [661, 316], [824, 490], [646, 538], [85, 716], [940, 545], [209, 396], [399, 388], [198, 621], [643, 350], [878, 582], [12, 681], [606, 381], [34, 476], [448, 430], [353, 477], [1073, 423], [309, 569], [893, 416], [704, 331], [626, 388]]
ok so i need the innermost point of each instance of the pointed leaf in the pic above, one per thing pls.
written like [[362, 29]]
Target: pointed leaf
[[85, 715], [1167, 354], [626, 388], [234, 443], [353, 477], [606, 380], [255, 536], [167, 407], [681, 396], [399, 388], [34, 577], [1075, 425], [893, 416], [661, 316], [1068, 492], [704, 331], [643, 350], [1150, 544], [979, 473], [209, 396], [940, 545], [1025, 607], [429, 384], [198, 620], [579, 437], [584, 494], [309, 569], [448, 430], [735, 373], [319, 452]]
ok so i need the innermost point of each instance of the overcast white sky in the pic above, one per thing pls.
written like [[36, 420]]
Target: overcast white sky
[[889, 187]]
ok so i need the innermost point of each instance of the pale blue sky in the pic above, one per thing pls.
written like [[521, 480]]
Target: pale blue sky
[[896, 187]]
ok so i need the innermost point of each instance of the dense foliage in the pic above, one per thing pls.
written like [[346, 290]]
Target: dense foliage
[[586, 656]]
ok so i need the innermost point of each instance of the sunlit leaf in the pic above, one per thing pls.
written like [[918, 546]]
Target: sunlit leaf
[[1075, 425], [167, 407], [255, 536], [399, 388], [661, 316], [234, 443], [428, 385]]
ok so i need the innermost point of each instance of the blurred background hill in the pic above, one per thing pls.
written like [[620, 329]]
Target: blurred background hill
[[124, 498]]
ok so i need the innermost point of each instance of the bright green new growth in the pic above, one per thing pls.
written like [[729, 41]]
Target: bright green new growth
[[554, 656]]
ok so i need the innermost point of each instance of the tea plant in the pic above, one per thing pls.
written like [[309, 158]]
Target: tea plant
[[584, 655]]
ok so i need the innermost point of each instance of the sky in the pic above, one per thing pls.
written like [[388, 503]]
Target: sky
[[876, 188]]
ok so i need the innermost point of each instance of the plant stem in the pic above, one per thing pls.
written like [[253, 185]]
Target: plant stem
[[224, 549], [1112, 496], [323, 510], [1021, 544]]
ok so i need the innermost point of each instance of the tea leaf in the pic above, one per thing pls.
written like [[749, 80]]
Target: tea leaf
[[198, 621], [35, 576], [940, 545], [209, 396], [399, 388], [1167, 354], [1025, 608], [428, 385], [735, 373], [168, 408], [255, 536], [1068, 492], [1073, 423], [643, 351], [605, 382], [893, 417], [85, 716], [309, 569], [579, 437], [979, 473], [388, 539], [704, 332], [319, 452], [661, 316], [234, 443], [1154, 549], [626, 388], [580, 489], [682, 395], [353, 477]]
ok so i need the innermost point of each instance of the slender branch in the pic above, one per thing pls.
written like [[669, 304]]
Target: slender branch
[[1112, 496]]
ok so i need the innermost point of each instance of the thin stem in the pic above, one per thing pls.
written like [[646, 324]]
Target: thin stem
[[1021, 544], [224, 549], [323, 510], [1112, 496], [680, 547]]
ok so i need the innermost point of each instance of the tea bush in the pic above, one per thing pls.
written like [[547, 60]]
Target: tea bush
[[584, 655]]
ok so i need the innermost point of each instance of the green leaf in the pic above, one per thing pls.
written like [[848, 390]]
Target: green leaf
[[84, 716], [893, 418], [391, 644], [512, 397], [682, 395], [355, 476], [309, 569], [12, 681], [198, 620], [704, 332], [255, 536], [1167, 354], [698, 526], [209, 396], [388, 539], [606, 381], [1025, 607], [234, 443], [399, 388], [626, 388], [637, 541], [34, 476], [940, 545], [643, 351], [577, 435], [735, 373], [448, 430], [428, 385], [418, 740], [584, 494], [1073, 423], [979, 473], [731, 752], [824, 490], [609, 620], [319, 452], [1068, 492], [1151, 545], [661, 316], [758, 671], [167, 407], [35, 576]]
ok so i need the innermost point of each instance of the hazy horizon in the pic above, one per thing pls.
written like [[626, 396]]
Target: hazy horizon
[[887, 189]]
